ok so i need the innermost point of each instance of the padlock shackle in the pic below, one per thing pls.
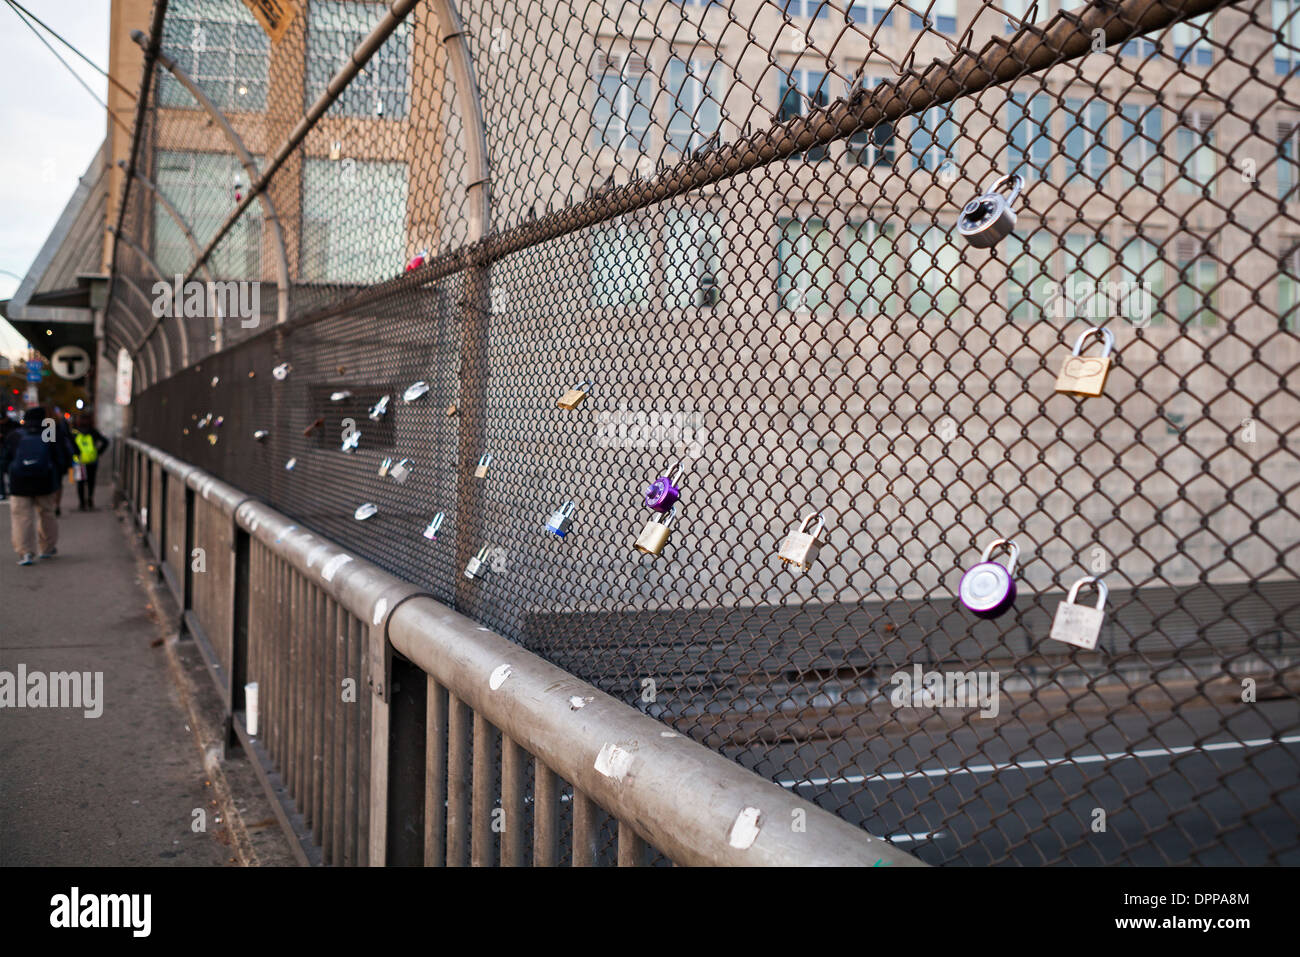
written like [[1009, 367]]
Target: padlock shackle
[[436, 523], [1011, 546], [668, 516], [1107, 341], [1103, 592], [568, 507], [1017, 184], [821, 523], [680, 466], [485, 459]]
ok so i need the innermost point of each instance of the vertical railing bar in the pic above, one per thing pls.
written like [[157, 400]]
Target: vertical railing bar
[[380, 741], [366, 732], [458, 781], [327, 696], [481, 815], [338, 764], [435, 774], [546, 816], [291, 685], [318, 680], [584, 822], [352, 811], [631, 848], [513, 762]]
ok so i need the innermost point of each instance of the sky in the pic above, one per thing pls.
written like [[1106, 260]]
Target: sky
[[51, 129]]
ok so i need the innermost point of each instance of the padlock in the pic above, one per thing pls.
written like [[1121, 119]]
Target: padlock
[[559, 522], [664, 491], [1080, 625], [988, 218], [363, 512], [478, 565], [351, 442], [400, 471], [481, 470], [289, 465], [415, 390], [573, 398], [384, 466], [281, 372], [419, 258], [260, 435], [801, 547], [340, 395], [655, 534], [379, 409], [1086, 375], [431, 532], [988, 589]]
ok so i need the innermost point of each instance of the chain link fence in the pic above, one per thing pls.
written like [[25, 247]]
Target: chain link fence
[[734, 227]]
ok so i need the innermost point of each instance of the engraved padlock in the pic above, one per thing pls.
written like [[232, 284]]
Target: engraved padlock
[[1086, 375], [654, 536], [561, 518], [480, 471], [801, 547], [664, 491], [988, 589], [989, 218], [1080, 625], [478, 565], [431, 531], [573, 398]]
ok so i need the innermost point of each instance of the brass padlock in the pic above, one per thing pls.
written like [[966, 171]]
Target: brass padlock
[[655, 534], [480, 470], [1086, 375], [573, 398], [801, 547]]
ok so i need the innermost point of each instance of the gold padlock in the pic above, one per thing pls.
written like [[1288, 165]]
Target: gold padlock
[[483, 463], [573, 398], [1086, 375], [655, 534], [801, 547]]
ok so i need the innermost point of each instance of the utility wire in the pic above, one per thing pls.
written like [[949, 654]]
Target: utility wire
[[54, 33], [75, 75]]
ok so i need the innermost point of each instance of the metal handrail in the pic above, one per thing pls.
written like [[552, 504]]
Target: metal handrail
[[693, 804]]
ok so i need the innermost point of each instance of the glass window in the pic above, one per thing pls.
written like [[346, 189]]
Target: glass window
[[872, 267], [1196, 156], [942, 16], [934, 138], [1192, 41], [1140, 132], [1286, 26], [692, 259], [1085, 141], [804, 273], [1142, 270], [620, 264], [334, 29], [801, 92], [934, 263], [1195, 298], [872, 12], [1087, 267], [807, 8], [694, 101], [1288, 156], [222, 49], [621, 114], [1029, 140], [1288, 291], [353, 220], [875, 146], [201, 188], [1029, 274]]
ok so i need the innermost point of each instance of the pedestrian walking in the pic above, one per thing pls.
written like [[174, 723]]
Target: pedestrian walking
[[9, 423], [35, 460], [91, 444]]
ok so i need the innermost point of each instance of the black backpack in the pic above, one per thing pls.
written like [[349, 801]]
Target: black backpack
[[32, 470]]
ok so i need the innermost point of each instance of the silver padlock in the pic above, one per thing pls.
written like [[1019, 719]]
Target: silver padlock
[[379, 409], [478, 565], [431, 532], [1080, 625], [561, 519], [989, 218], [801, 547], [399, 472]]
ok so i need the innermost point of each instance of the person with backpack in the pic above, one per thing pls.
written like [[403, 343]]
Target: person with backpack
[[35, 460], [7, 424], [90, 444]]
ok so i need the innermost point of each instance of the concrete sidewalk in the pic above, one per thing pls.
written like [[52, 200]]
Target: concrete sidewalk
[[116, 789]]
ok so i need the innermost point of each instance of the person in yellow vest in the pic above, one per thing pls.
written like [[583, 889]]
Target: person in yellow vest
[[90, 446]]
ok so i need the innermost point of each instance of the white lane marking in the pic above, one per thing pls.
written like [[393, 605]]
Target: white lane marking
[[1039, 763]]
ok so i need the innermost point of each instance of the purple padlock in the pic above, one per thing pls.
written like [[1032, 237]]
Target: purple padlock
[[989, 589], [664, 491]]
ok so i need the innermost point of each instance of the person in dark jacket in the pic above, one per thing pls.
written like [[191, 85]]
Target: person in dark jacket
[[35, 459], [8, 423], [90, 443]]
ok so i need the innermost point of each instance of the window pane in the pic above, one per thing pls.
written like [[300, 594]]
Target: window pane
[[362, 205]]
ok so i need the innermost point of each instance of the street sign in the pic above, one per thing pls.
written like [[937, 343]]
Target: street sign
[[34, 370], [70, 362]]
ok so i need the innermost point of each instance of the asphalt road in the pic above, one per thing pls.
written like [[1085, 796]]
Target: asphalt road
[[118, 789]]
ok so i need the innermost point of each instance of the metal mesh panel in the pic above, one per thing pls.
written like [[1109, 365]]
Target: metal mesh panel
[[683, 219]]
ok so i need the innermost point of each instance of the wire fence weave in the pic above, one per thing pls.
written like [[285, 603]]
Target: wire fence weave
[[733, 229]]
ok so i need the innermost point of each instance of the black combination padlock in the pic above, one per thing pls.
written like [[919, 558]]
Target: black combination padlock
[[989, 218]]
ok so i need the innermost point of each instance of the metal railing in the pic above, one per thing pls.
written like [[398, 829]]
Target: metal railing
[[426, 759]]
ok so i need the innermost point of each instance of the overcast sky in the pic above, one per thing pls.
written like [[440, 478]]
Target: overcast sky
[[51, 129]]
